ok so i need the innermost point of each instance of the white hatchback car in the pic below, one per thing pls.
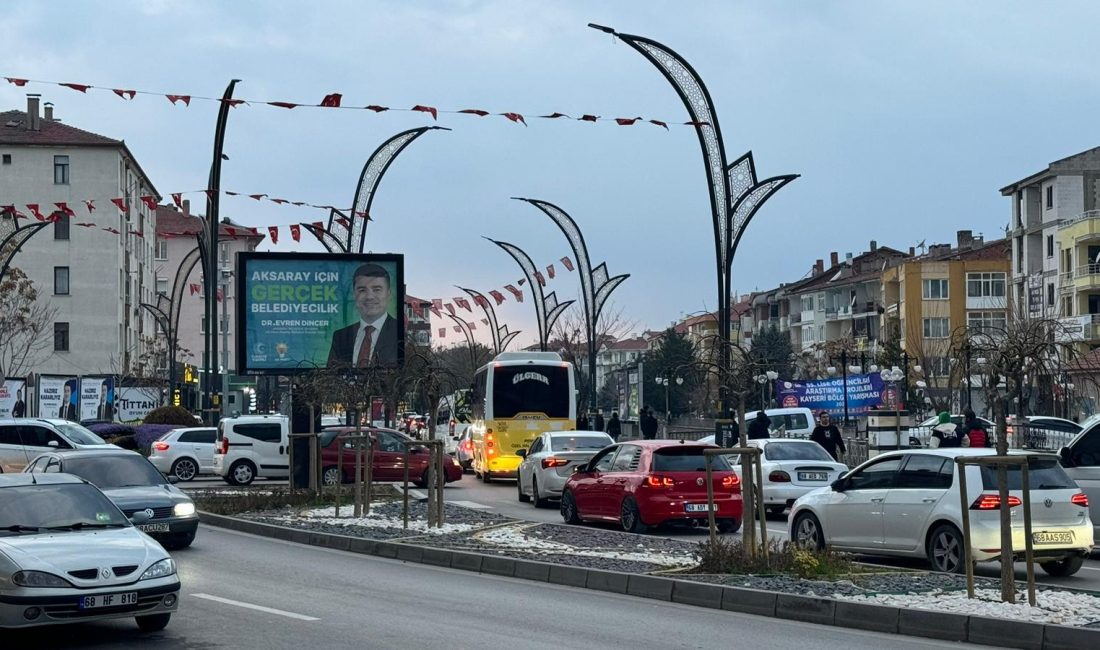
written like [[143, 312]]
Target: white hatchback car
[[185, 453], [69, 555], [550, 461], [906, 503], [792, 468]]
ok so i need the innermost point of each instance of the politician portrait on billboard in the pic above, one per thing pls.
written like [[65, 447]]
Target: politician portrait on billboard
[[302, 311]]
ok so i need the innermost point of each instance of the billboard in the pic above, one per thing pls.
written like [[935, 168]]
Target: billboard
[[13, 398], [97, 398], [865, 392], [58, 397], [301, 311], [134, 403]]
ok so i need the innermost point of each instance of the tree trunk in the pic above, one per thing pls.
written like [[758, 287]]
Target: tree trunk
[[1008, 574], [748, 528]]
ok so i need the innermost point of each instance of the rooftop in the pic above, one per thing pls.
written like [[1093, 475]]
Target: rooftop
[[174, 222]]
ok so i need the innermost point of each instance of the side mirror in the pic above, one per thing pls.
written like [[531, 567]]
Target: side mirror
[[52, 443], [522, 453], [839, 484], [139, 517], [579, 469], [1065, 457]]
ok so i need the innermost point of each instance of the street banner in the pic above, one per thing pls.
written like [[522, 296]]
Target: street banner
[[134, 403], [58, 397], [97, 398], [13, 392], [303, 311], [864, 393]]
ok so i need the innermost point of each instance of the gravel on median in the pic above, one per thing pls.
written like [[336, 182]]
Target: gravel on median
[[385, 521]]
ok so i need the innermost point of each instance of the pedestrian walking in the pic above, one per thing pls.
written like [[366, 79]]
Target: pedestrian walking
[[828, 436], [946, 433], [599, 421], [582, 422], [974, 431], [760, 427], [648, 424], [614, 426]]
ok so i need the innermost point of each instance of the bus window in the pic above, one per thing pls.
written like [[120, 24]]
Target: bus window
[[531, 389]]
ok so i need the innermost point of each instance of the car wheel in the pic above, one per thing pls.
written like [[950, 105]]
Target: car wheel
[[176, 542], [422, 482], [330, 476], [242, 472], [153, 622], [1064, 567], [729, 525], [540, 502], [807, 531], [569, 509], [630, 518], [486, 476], [523, 498], [945, 549], [184, 469], [774, 511]]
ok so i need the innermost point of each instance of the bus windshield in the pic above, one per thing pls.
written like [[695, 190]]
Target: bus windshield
[[531, 389]]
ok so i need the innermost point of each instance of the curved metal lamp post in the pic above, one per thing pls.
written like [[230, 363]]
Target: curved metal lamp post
[[461, 324], [596, 284], [735, 192], [501, 336], [14, 239], [547, 307], [348, 233]]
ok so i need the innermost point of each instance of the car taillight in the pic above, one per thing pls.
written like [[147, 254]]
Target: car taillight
[[224, 447], [451, 427], [993, 502], [779, 476], [1080, 499], [547, 463], [160, 446], [658, 481], [730, 481]]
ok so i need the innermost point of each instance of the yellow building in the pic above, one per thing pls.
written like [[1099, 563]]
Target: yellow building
[[1079, 279]]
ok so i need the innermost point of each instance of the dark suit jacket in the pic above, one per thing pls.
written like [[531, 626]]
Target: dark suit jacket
[[342, 351], [67, 412], [105, 412], [19, 409]]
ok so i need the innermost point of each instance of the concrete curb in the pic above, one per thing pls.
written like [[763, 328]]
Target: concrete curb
[[808, 609]]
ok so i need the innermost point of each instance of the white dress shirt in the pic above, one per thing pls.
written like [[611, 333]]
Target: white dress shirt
[[362, 333]]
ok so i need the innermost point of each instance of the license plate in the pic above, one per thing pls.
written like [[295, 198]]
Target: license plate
[[109, 600], [153, 528], [1052, 538], [813, 476], [698, 507]]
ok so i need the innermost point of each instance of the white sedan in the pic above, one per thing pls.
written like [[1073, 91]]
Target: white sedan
[[69, 555], [791, 467], [550, 461], [907, 503]]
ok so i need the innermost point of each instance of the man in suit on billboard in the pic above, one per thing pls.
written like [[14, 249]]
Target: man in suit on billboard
[[373, 339], [106, 408], [68, 406]]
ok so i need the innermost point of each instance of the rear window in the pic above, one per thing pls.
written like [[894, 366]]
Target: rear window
[[531, 389], [686, 459], [579, 443], [796, 451], [1044, 474], [262, 432]]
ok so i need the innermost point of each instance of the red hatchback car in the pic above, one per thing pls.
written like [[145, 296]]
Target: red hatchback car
[[645, 483], [389, 457]]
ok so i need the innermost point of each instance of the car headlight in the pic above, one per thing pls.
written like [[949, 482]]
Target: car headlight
[[38, 579], [183, 509], [162, 569]]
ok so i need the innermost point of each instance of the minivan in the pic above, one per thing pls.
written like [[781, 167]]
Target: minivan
[[797, 422], [250, 446], [22, 439]]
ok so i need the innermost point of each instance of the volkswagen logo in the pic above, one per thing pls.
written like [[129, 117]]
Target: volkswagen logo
[[105, 573], [149, 512], [1048, 503], [698, 481]]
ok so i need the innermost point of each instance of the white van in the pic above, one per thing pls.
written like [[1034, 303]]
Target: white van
[[249, 446], [795, 422]]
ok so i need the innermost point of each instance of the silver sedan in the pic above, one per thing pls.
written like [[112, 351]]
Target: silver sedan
[[551, 459]]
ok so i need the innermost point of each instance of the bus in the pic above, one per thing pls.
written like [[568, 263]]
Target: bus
[[516, 397], [452, 415]]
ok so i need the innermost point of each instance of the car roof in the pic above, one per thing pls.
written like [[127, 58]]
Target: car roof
[[575, 432], [16, 480], [54, 421], [955, 452], [96, 452], [658, 444]]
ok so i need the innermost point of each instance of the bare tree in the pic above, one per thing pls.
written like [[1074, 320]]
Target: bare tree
[[25, 325], [568, 339], [147, 367]]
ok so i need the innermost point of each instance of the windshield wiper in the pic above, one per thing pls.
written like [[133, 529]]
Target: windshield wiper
[[80, 525], [20, 528]]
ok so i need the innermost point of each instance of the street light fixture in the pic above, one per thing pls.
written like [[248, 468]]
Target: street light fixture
[[666, 381], [764, 379]]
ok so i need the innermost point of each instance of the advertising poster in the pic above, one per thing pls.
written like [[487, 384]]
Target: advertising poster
[[301, 311], [13, 398], [864, 394], [134, 403], [97, 398], [57, 397]]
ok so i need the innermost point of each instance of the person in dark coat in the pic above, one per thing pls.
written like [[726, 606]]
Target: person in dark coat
[[828, 436], [760, 427], [599, 421], [19, 409], [648, 424], [582, 422], [614, 426], [974, 431]]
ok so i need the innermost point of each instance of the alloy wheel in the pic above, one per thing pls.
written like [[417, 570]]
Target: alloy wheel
[[807, 533], [946, 551], [185, 469]]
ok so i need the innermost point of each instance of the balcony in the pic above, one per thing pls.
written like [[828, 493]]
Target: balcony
[[1083, 278], [796, 318], [807, 316], [865, 308]]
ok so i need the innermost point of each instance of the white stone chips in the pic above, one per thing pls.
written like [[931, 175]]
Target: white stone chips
[[1058, 607]]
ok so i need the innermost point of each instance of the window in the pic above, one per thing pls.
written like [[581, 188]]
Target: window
[[986, 321], [879, 476], [202, 436], [807, 450], [985, 285], [262, 432], [926, 472], [937, 328], [821, 302], [1050, 294], [938, 366], [7, 159], [531, 389], [1050, 197], [602, 463], [60, 337], [686, 459], [9, 435], [536, 447], [1050, 245], [935, 289], [60, 170], [162, 249], [566, 442], [162, 286], [60, 280], [61, 226], [628, 459], [35, 436], [1043, 474]]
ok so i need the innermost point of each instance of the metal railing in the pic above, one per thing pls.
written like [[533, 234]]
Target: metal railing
[[1020, 436]]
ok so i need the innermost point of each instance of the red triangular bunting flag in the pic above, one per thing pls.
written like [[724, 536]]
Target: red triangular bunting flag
[[567, 263], [64, 207], [554, 116], [343, 222], [484, 321], [696, 124], [550, 271], [121, 204], [521, 281], [150, 202], [474, 111], [283, 104], [471, 326], [450, 308], [16, 81], [376, 108], [659, 123], [125, 94], [462, 302], [515, 292], [228, 193], [318, 225], [457, 328], [218, 297], [295, 232], [177, 198], [194, 288], [231, 231], [186, 99], [427, 109], [256, 196], [541, 280], [137, 233], [279, 201], [210, 194], [332, 101], [86, 224], [588, 118], [497, 296], [273, 231], [437, 312], [112, 231], [33, 207], [515, 117], [81, 87], [442, 332], [626, 121], [233, 103], [481, 300]]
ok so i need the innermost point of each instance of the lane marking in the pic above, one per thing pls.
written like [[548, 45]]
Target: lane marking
[[258, 608]]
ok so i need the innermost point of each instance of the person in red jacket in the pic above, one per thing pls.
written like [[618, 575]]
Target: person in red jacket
[[974, 430]]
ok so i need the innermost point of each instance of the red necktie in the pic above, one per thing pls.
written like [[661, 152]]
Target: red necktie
[[364, 350]]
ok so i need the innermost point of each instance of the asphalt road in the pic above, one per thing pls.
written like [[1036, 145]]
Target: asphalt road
[[245, 592]]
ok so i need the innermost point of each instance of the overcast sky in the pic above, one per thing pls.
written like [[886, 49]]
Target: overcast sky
[[903, 119]]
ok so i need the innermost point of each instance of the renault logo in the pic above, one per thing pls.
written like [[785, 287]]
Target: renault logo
[[105, 572], [1048, 503], [698, 481]]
